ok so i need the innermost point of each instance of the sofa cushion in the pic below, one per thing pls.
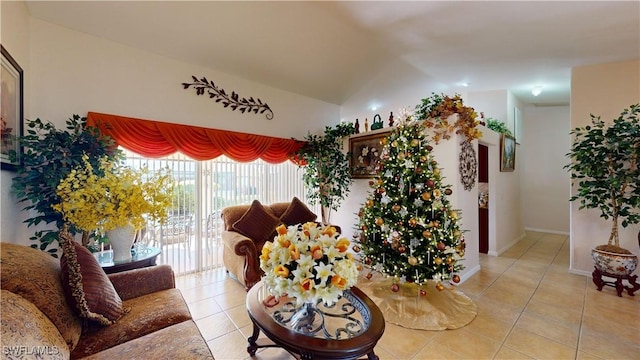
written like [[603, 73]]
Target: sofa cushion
[[257, 223], [148, 313], [180, 341], [35, 275], [27, 331], [89, 291], [297, 213]]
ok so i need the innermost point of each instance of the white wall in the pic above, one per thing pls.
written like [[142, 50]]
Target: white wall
[[605, 90], [14, 36], [69, 72], [545, 184]]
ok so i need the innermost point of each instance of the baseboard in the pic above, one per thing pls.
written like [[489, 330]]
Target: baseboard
[[467, 274], [547, 231], [515, 241], [580, 272]]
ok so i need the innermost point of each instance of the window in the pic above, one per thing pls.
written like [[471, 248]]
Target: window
[[190, 241]]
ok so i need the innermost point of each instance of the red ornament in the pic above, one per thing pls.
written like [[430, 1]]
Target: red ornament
[[423, 292], [402, 249], [369, 276], [429, 147], [395, 287], [430, 183], [441, 246], [456, 278]]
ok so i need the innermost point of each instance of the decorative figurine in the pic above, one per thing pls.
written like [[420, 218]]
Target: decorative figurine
[[356, 127], [366, 124], [391, 119], [377, 122]]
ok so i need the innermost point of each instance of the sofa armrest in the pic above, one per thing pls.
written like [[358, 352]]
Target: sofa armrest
[[134, 283], [240, 244]]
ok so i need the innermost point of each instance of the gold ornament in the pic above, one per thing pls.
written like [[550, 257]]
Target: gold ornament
[[413, 222], [413, 260], [440, 287], [425, 196], [396, 207], [415, 142], [438, 261], [426, 234], [379, 221]]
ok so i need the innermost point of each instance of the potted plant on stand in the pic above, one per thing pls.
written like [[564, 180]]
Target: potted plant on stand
[[326, 168], [49, 156], [606, 175], [115, 201]]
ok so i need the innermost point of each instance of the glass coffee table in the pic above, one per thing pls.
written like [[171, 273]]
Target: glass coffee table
[[142, 258], [349, 329]]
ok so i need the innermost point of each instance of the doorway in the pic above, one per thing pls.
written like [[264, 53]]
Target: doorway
[[483, 198]]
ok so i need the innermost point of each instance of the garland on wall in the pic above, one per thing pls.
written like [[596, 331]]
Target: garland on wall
[[232, 101]]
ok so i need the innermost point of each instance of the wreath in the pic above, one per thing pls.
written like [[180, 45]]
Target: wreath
[[436, 110]]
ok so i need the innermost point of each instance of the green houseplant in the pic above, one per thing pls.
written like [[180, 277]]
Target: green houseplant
[[605, 172], [49, 156], [326, 168], [498, 126]]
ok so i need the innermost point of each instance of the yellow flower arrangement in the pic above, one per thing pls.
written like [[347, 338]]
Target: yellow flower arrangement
[[308, 262], [437, 109], [120, 196]]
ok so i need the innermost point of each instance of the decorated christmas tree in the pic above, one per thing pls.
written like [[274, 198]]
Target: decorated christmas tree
[[408, 229]]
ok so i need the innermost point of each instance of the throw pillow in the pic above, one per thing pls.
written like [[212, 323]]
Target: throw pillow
[[297, 213], [88, 289], [257, 224]]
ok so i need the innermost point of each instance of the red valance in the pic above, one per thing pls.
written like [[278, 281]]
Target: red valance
[[158, 139]]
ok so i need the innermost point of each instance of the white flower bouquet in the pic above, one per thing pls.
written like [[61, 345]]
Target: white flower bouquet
[[308, 262]]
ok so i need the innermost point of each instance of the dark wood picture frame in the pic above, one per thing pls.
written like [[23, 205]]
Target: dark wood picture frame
[[365, 153], [11, 110], [507, 153]]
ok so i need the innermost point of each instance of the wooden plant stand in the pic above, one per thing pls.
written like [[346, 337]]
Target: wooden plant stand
[[600, 283]]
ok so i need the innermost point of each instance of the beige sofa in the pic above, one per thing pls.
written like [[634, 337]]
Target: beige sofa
[[248, 227], [39, 322]]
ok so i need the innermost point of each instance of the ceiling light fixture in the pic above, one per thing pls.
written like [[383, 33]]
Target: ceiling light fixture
[[536, 90]]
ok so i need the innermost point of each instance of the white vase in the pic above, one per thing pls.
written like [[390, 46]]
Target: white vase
[[121, 239]]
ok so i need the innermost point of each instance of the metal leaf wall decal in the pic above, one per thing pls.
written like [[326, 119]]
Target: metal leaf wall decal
[[233, 101]]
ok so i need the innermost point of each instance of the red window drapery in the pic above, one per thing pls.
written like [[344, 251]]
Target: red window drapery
[[157, 139]]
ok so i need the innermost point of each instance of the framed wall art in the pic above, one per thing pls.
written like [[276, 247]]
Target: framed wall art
[[11, 110], [365, 154], [507, 153]]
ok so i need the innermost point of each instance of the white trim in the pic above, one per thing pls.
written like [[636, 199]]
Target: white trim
[[467, 274], [547, 231], [580, 272], [515, 241]]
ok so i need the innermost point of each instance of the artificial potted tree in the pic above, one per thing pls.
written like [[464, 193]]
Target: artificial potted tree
[[606, 175], [49, 156], [326, 168]]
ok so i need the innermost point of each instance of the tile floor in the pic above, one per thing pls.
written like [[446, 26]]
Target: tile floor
[[529, 307]]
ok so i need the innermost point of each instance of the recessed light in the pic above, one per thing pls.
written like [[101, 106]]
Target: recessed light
[[536, 90]]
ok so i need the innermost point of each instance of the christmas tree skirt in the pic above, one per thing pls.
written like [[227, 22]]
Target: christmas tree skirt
[[431, 310]]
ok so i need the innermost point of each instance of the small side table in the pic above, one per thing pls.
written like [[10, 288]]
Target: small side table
[[600, 283], [142, 258]]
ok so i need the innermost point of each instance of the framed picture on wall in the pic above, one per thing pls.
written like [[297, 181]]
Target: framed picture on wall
[[365, 154], [507, 153], [11, 110]]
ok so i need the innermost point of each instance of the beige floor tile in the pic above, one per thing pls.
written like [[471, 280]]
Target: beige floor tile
[[509, 354], [490, 327], [537, 346], [215, 326], [231, 299], [552, 297], [239, 316], [466, 344], [204, 308], [403, 343], [230, 346], [570, 316], [594, 343], [497, 310], [553, 330], [271, 354], [621, 330], [586, 356], [516, 299]]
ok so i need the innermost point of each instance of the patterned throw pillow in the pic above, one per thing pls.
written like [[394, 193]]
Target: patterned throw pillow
[[88, 289], [297, 213], [257, 224]]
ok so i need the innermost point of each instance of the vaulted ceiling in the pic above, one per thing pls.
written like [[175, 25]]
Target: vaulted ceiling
[[329, 50]]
